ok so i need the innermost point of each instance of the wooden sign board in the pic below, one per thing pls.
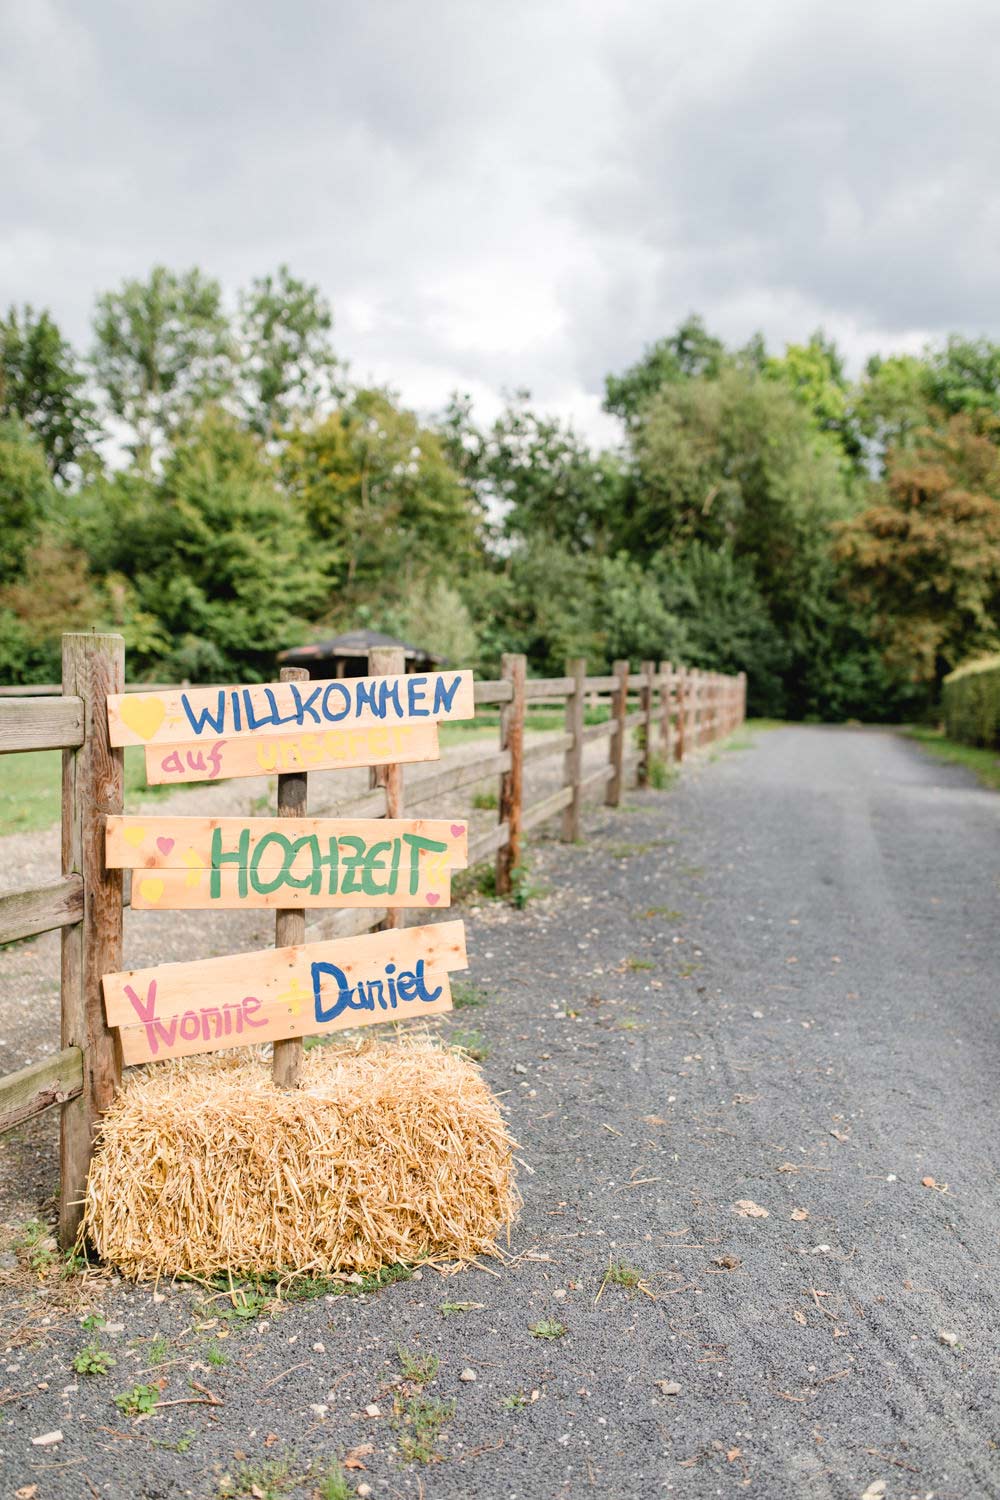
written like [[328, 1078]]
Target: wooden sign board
[[196, 863], [309, 990], [184, 716], [263, 755]]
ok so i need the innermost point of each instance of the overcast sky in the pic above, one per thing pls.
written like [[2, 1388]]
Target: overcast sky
[[496, 193]]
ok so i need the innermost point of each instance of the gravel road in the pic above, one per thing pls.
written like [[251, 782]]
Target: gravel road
[[771, 986]]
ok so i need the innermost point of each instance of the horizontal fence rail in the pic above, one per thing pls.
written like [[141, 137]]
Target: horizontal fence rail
[[656, 717]]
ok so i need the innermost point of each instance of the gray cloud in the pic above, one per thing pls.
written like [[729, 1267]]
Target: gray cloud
[[495, 195]]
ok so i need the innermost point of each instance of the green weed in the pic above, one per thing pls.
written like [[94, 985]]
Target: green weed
[[266, 1479], [635, 964], [333, 1485], [139, 1400], [415, 1368], [92, 1361], [547, 1328], [485, 801], [159, 1350], [512, 1403], [418, 1423], [662, 773], [447, 1308], [215, 1355], [472, 1043], [465, 995], [179, 1445], [662, 911], [619, 1274]]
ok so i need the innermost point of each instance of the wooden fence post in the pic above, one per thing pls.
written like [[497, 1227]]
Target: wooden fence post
[[389, 661], [741, 708], [646, 704], [290, 923], [616, 742], [666, 688], [680, 712], [513, 669], [573, 763], [93, 785]]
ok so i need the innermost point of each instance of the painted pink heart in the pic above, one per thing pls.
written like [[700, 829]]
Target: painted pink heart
[[457, 829], [164, 845], [433, 898]]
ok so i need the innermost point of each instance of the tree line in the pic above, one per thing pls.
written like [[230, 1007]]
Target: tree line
[[210, 481]]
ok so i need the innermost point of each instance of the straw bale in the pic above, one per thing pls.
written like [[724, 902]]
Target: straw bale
[[388, 1152]]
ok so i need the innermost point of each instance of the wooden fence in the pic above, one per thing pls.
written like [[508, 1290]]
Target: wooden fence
[[674, 711]]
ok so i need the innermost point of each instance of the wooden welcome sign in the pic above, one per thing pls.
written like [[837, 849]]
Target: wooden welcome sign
[[182, 863], [286, 862], [248, 998]]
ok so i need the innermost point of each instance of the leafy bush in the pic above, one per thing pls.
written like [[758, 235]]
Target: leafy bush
[[971, 700]]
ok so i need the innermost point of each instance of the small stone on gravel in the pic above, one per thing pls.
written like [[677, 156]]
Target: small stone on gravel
[[467, 1375]]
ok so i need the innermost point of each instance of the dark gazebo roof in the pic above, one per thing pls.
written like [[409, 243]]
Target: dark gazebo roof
[[355, 644]]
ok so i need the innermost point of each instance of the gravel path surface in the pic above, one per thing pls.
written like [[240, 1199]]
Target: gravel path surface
[[773, 986]]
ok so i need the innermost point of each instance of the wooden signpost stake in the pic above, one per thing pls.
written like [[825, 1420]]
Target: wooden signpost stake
[[512, 670], [93, 784], [290, 922], [389, 661]]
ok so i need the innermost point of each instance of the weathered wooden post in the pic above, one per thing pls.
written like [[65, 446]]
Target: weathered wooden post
[[680, 712], [389, 661], [93, 784], [290, 924], [573, 762], [513, 669], [666, 688], [616, 741], [646, 705], [742, 708]]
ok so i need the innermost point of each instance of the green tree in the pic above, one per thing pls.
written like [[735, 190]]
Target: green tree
[[964, 376], [163, 351], [692, 353], [924, 559], [381, 498], [27, 498], [42, 384], [814, 373], [534, 475], [891, 405], [212, 557], [288, 363]]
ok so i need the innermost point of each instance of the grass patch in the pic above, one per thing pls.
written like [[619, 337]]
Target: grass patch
[[31, 787], [447, 1308], [265, 1479], [417, 1368], [472, 1043], [485, 801], [635, 964], [418, 1422], [619, 1274], [985, 764], [662, 911], [465, 995], [662, 773]]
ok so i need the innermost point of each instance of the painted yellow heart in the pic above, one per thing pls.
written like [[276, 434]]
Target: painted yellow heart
[[134, 835], [151, 890], [143, 715], [195, 865]]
